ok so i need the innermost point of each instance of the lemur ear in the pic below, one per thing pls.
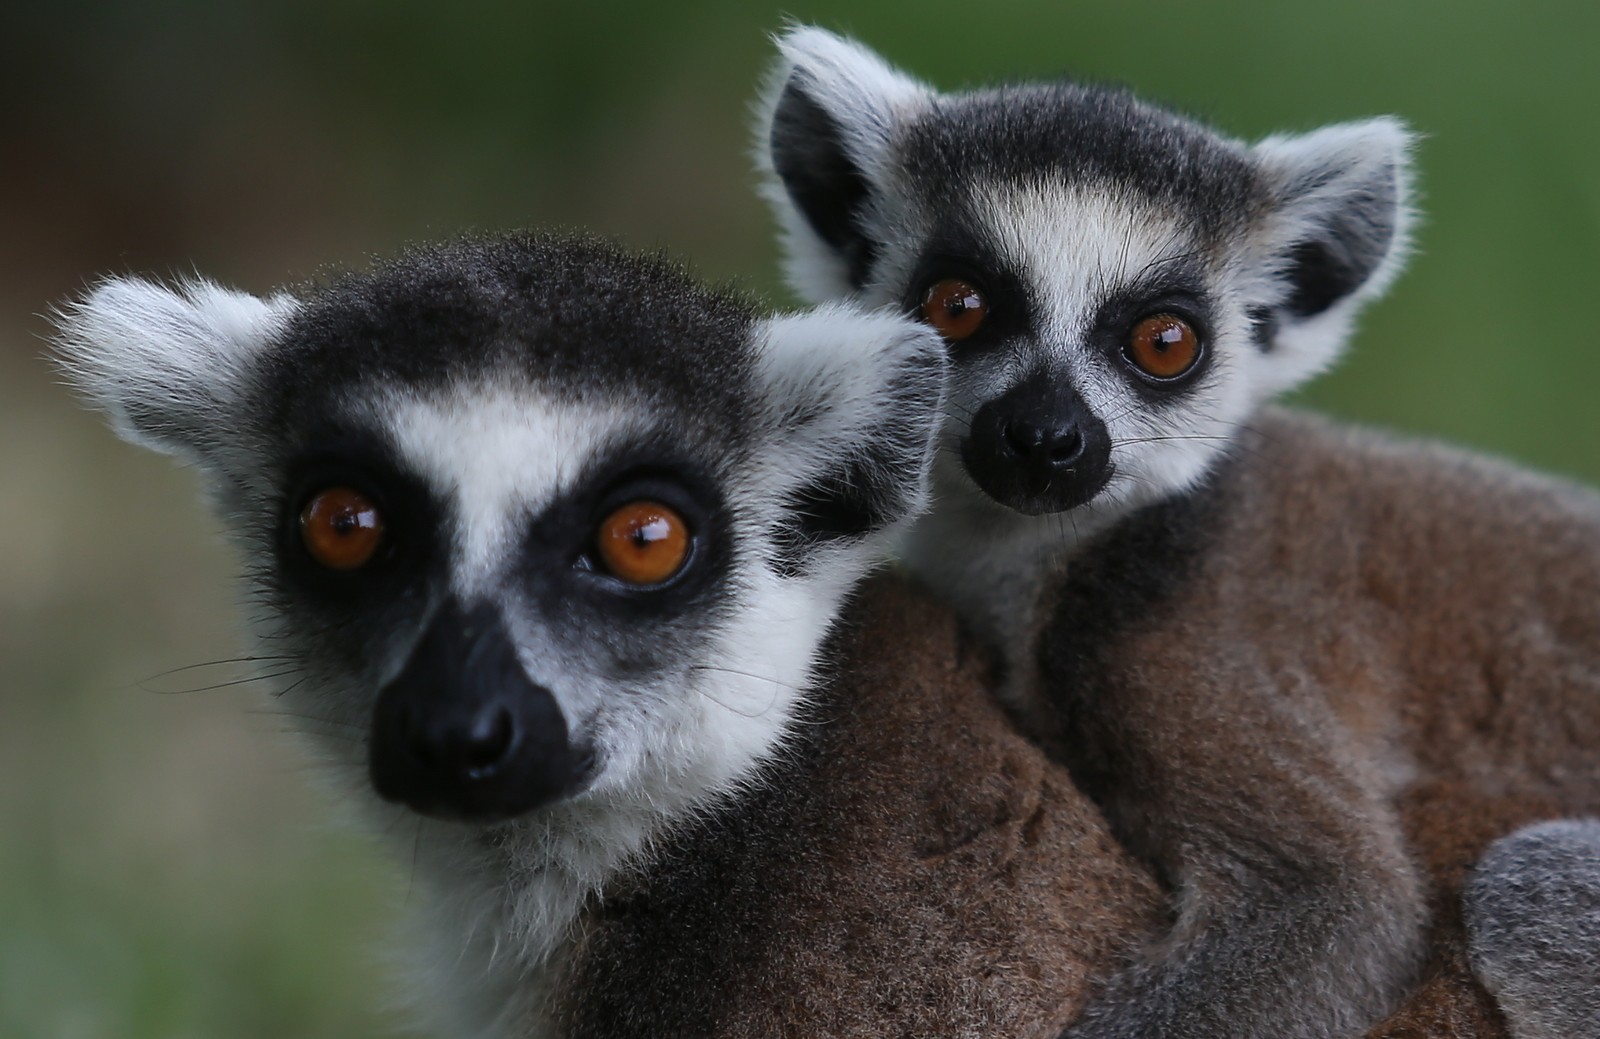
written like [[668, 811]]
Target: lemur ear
[[1333, 237], [164, 364], [854, 402], [825, 124]]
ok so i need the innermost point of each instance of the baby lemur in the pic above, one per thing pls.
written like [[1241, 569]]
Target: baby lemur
[[1263, 642]]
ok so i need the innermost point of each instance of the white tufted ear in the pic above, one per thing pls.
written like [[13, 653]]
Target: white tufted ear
[[163, 363], [1335, 234], [854, 403], [825, 125]]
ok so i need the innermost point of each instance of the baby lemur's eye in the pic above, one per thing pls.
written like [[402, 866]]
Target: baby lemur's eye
[[341, 528], [954, 308], [643, 543], [1163, 347]]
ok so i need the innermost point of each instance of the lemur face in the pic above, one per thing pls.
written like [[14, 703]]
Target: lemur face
[[1119, 286], [538, 522]]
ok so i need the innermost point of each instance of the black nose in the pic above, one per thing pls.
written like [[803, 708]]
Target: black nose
[[463, 733], [1051, 446], [1038, 447], [471, 744]]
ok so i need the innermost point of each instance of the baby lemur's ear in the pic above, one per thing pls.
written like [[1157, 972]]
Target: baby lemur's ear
[[165, 364], [826, 122], [1333, 236], [853, 404]]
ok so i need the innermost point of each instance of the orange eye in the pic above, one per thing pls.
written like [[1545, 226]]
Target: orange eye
[[643, 543], [1163, 346], [341, 528], [954, 308]]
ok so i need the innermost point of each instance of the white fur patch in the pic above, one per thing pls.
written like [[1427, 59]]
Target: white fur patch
[[829, 371], [1318, 172], [163, 363], [868, 99], [498, 455]]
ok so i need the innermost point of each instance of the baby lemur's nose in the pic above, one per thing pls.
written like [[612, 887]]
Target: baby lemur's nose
[[463, 733], [1038, 447]]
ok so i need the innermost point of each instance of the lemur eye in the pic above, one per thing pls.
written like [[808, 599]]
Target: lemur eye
[[643, 543], [341, 528], [954, 308], [1163, 346]]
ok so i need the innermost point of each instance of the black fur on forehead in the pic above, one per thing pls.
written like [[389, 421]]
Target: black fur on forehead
[[1074, 133], [572, 314]]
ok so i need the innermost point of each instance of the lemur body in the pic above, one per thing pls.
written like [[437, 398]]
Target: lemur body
[[1263, 643]]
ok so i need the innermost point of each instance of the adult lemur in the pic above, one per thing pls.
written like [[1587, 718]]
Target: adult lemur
[[1275, 650], [551, 536]]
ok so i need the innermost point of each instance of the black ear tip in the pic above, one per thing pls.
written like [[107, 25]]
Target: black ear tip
[[826, 185], [1345, 206]]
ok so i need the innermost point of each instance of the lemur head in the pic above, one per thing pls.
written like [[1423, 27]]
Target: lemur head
[[1120, 286], [534, 522]]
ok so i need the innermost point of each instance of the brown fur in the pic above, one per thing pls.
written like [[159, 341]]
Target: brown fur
[[916, 868], [1324, 686]]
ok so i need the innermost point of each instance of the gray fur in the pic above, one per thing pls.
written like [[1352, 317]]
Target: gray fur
[[1237, 640], [1533, 914]]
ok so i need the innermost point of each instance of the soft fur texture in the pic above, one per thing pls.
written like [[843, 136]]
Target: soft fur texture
[[1256, 640], [1533, 906], [1370, 715], [913, 867]]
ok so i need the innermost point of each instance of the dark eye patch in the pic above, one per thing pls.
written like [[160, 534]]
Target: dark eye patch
[[955, 252], [1173, 287], [558, 564], [366, 463]]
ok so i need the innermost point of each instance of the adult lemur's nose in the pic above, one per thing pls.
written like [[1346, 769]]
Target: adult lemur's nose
[[463, 733]]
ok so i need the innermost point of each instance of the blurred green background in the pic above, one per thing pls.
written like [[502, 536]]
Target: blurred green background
[[166, 869]]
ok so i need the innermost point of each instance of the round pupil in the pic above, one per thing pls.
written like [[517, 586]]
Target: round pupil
[[959, 302], [643, 543], [653, 529], [954, 308], [341, 528], [354, 517]]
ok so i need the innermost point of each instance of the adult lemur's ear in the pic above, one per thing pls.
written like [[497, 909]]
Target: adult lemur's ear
[[165, 364], [854, 402], [826, 123], [1333, 236]]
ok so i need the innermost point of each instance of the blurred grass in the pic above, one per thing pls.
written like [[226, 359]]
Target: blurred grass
[[164, 871]]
